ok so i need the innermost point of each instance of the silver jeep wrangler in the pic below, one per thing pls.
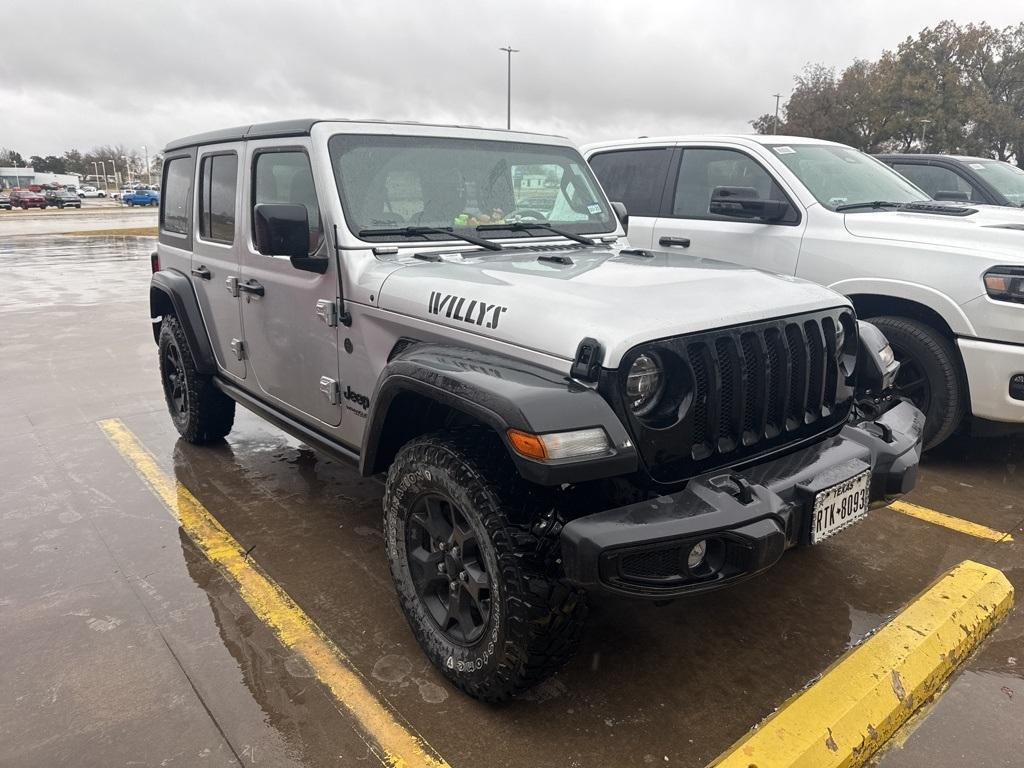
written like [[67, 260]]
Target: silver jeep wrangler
[[556, 413]]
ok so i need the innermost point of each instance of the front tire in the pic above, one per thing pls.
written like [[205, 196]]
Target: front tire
[[201, 413], [929, 374], [504, 622]]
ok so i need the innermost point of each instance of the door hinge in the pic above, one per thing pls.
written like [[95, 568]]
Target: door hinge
[[238, 347], [331, 389], [327, 310], [232, 286]]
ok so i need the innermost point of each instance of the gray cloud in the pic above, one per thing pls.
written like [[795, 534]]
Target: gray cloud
[[77, 73]]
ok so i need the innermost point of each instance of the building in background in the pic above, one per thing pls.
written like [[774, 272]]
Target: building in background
[[11, 178]]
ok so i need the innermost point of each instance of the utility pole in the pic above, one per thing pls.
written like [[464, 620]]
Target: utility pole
[[508, 113], [775, 125], [924, 131]]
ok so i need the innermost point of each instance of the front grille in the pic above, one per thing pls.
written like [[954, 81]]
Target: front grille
[[754, 388]]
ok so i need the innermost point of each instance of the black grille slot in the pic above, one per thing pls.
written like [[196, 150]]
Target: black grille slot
[[747, 389], [659, 564], [699, 365]]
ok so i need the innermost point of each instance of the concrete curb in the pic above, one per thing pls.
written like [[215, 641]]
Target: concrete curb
[[860, 701]]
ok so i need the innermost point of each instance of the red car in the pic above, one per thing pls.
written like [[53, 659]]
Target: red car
[[26, 199]]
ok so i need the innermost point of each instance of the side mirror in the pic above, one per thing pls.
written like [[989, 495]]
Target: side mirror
[[744, 203], [952, 194], [622, 215], [282, 229]]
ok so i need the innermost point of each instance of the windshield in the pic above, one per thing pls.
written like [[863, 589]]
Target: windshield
[[394, 182], [1007, 179], [840, 176]]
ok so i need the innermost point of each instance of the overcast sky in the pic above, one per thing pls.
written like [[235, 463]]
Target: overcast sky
[[78, 73]]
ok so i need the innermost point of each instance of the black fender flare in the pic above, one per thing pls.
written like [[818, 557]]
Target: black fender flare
[[171, 292], [502, 393]]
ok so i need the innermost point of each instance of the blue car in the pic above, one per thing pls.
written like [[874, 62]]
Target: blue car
[[142, 197]]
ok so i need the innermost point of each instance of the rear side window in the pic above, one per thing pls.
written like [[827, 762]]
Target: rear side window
[[175, 213], [218, 176], [634, 177], [286, 177]]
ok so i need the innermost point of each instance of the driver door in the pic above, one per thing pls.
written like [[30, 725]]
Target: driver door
[[690, 228], [290, 345]]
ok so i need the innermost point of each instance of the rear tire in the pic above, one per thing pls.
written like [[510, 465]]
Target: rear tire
[[201, 413], [929, 374], [504, 622]]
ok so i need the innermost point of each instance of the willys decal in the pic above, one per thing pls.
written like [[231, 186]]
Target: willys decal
[[465, 310]]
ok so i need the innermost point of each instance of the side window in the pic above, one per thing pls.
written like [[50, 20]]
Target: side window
[[701, 170], [634, 177], [939, 183], [175, 215], [286, 177], [218, 175]]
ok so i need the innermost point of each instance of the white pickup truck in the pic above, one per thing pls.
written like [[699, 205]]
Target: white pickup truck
[[944, 281]]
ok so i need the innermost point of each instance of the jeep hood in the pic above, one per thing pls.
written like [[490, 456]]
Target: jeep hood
[[995, 230], [548, 300]]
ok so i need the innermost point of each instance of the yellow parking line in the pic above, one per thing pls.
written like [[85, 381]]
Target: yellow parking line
[[860, 701], [948, 521], [392, 741]]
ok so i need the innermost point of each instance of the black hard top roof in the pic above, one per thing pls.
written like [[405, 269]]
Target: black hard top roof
[[302, 127]]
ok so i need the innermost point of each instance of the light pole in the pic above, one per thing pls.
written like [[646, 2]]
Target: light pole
[[508, 112], [146, 153], [775, 125], [95, 170], [924, 130], [106, 181], [127, 166]]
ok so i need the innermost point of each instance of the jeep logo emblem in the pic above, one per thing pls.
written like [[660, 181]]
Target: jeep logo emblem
[[476, 312], [361, 400]]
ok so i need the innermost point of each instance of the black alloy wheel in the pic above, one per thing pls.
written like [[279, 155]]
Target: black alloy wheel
[[175, 386], [447, 569], [911, 381]]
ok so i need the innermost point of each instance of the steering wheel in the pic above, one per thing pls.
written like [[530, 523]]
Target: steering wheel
[[525, 214]]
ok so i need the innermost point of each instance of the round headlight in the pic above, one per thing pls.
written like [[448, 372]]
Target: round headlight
[[644, 384]]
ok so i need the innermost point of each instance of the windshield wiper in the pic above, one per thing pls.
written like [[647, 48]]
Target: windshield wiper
[[414, 231], [525, 226], [875, 204]]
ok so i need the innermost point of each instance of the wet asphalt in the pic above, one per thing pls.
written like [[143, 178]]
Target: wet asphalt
[[121, 645]]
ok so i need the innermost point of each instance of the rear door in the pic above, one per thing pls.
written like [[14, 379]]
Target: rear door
[[689, 227], [291, 349], [216, 252], [635, 178], [939, 181]]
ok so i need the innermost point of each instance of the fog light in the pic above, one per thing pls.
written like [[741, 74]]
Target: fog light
[[696, 556]]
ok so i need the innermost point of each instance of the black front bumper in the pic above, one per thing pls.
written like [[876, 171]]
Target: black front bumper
[[747, 517]]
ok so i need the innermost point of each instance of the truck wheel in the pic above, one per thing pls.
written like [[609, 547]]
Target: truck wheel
[[473, 551], [929, 374], [200, 412]]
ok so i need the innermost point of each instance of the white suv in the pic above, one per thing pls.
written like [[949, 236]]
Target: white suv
[[944, 281]]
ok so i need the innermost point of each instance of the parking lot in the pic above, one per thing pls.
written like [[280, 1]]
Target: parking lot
[[123, 642]]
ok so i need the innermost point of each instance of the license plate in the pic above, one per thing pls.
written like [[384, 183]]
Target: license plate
[[840, 506]]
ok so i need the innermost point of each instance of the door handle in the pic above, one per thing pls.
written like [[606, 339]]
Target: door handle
[[202, 272], [682, 242], [252, 286]]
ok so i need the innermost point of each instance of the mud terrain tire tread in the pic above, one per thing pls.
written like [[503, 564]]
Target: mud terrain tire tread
[[210, 413], [541, 618]]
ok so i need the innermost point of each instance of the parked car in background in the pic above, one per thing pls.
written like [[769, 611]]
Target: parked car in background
[[62, 198], [963, 178], [5, 201], [26, 198], [944, 281], [91, 192], [141, 197], [119, 195]]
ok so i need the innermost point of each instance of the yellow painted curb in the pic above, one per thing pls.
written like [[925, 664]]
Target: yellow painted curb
[[857, 704]]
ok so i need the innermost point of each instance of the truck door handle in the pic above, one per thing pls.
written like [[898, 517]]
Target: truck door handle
[[202, 272], [682, 242], [252, 286]]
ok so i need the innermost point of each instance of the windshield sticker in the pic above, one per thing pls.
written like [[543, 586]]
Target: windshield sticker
[[977, 166], [594, 208], [467, 311], [784, 150]]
